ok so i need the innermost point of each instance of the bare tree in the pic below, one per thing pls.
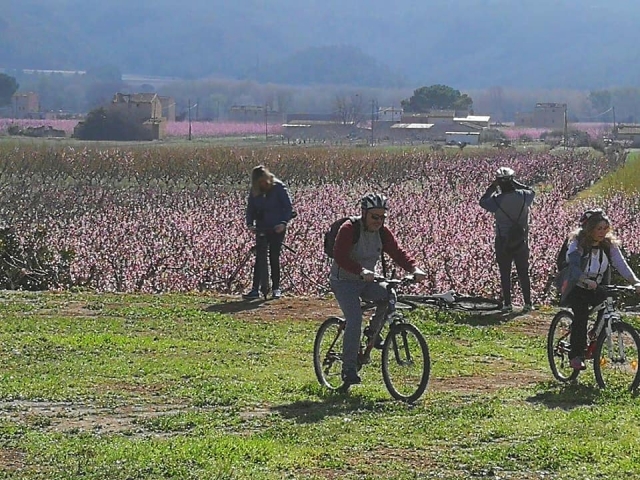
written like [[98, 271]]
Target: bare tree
[[349, 110]]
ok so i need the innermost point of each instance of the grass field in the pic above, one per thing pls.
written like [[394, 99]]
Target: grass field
[[178, 386], [132, 387]]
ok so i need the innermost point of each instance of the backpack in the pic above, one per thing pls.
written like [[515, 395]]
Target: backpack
[[561, 258], [331, 234], [516, 235]]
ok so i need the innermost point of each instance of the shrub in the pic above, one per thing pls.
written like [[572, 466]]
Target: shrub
[[31, 266], [104, 124]]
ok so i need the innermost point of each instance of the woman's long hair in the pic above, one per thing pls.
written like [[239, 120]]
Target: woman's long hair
[[258, 173], [585, 234]]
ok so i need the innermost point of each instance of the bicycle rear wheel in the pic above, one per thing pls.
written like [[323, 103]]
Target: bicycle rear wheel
[[476, 304], [616, 358], [405, 362], [558, 347], [327, 353]]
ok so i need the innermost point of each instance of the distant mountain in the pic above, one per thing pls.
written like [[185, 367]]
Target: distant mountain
[[464, 43]]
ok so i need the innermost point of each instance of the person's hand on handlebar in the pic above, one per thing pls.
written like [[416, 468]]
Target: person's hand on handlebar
[[367, 275]]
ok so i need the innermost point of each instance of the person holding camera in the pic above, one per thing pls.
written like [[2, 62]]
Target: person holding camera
[[268, 211], [510, 201]]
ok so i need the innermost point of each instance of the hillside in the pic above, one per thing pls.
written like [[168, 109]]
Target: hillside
[[466, 43]]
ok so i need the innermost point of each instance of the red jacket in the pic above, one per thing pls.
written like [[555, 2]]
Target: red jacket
[[344, 244]]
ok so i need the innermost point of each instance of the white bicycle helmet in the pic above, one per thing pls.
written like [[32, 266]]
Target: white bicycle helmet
[[597, 213], [373, 200], [505, 173]]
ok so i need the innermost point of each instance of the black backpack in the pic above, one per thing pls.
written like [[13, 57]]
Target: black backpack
[[331, 234], [561, 258], [516, 235]]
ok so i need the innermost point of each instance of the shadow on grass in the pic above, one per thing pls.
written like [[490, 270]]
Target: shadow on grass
[[566, 396], [235, 306], [334, 403], [486, 319]]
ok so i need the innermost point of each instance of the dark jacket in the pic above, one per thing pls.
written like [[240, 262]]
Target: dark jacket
[[269, 209]]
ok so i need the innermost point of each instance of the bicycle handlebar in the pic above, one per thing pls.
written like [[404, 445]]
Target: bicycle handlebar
[[619, 288]]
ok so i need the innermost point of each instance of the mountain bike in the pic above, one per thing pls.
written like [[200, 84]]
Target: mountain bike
[[405, 354], [613, 345], [450, 300]]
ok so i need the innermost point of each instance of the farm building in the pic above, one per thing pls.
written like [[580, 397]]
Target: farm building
[[544, 115], [628, 133], [26, 105], [142, 108]]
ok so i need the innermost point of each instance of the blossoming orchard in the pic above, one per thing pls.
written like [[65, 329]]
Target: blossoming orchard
[[166, 219]]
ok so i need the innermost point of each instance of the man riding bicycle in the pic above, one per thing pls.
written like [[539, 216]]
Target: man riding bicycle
[[358, 246]]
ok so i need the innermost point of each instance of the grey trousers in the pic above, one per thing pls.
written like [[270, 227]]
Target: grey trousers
[[348, 294]]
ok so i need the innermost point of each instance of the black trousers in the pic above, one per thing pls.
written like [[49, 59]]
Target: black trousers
[[268, 246], [505, 261], [580, 300]]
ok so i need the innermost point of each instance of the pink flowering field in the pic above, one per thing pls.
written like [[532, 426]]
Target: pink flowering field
[[172, 219], [595, 130]]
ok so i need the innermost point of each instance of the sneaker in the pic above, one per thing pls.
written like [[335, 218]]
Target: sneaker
[[252, 295], [577, 364], [507, 309], [277, 293], [528, 307], [351, 378], [378, 343]]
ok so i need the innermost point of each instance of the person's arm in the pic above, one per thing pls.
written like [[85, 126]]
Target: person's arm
[[285, 201], [398, 254], [488, 201], [250, 213], [342, 249], [620, 264]]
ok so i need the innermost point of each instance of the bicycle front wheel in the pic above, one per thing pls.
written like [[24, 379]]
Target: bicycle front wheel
[[476, 304], [558, 347], [405, 362], [327, 353], [616, 358]]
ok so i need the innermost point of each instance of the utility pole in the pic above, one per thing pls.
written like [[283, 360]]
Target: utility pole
[[565, 133], [189, 115], [266, 122], [614, 132], [372, 120]]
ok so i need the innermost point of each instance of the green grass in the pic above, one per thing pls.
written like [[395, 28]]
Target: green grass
[[625, 179], [136, 387]]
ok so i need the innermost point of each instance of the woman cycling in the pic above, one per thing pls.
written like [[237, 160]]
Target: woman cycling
[[352, 274], [592, 249]]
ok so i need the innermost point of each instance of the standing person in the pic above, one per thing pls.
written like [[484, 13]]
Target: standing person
[[591, 250], [352, 274], [268, 211], [510, 201]]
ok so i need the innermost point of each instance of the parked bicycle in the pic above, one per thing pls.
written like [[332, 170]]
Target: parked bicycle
[[405, 354], [450, 300], [613, 345]]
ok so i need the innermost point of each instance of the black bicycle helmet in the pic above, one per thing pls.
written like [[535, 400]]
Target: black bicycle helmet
[[373, 200], [593, 213]]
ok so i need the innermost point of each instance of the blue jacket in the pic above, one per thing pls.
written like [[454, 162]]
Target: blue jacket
[[269, 209]]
